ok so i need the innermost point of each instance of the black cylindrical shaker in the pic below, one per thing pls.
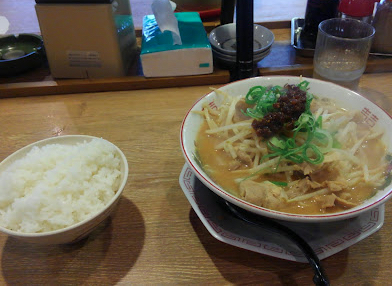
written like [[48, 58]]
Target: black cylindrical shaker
[[316, 12]]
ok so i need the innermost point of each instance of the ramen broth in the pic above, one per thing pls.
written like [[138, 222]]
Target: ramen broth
[[217, 162]]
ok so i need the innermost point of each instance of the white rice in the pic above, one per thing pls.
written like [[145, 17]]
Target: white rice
[[56, 186]]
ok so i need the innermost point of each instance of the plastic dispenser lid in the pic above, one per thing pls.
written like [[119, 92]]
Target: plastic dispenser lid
[[357, 8]]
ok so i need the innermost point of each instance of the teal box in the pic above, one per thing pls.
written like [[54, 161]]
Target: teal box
[[161, 58]]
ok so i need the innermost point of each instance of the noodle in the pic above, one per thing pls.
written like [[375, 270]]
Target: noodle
[[345, 160]]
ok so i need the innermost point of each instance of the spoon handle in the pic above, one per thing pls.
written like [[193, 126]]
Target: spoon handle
[[320, 278]]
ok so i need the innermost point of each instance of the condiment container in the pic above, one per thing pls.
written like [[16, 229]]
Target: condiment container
[[382, 22], [357, 9], [316, 12]]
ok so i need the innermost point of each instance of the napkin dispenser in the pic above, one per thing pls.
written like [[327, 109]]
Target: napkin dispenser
[[87, 40], [162, 57]]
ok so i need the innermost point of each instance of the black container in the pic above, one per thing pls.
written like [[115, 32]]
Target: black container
[[316, 12], [382, 22], [32, 48]]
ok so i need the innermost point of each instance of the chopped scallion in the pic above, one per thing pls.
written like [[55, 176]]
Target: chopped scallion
[[317, 141], [279, 183]]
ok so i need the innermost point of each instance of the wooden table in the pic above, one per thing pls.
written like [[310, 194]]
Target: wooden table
[[154, 237]]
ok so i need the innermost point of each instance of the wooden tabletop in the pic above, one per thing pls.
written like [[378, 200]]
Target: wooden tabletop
[[154, 237]]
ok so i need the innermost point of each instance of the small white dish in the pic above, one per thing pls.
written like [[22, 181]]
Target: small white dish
[[223, 38], [326, 239]]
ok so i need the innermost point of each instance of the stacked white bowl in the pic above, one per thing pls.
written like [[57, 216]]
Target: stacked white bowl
[[223, 44]]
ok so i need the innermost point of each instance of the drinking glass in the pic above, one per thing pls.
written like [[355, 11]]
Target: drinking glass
[[342, 50]]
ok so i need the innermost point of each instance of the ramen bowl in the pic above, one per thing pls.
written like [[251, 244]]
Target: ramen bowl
[[373, 116], [45, 188]]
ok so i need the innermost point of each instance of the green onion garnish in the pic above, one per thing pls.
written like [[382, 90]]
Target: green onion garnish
[[262, 99], [279, 183], [317, 141]]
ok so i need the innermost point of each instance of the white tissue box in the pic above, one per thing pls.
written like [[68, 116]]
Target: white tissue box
[[160, 58]]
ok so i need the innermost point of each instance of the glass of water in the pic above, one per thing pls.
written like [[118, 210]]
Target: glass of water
[[342, 50]]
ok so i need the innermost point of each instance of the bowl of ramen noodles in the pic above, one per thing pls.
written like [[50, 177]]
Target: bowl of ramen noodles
[[291, 148]]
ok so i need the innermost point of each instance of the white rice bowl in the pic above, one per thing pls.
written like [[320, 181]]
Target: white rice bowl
[[57, 190]]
